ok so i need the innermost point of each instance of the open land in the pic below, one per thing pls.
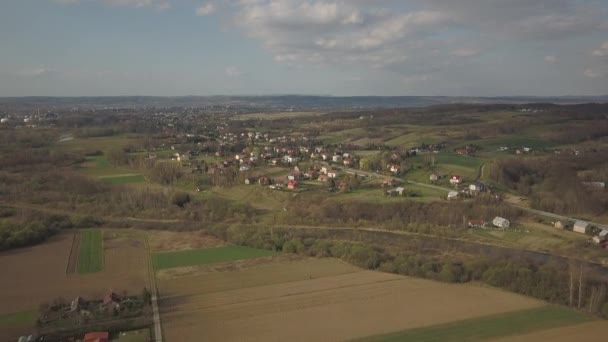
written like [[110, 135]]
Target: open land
[[300, 300], [125, 269]]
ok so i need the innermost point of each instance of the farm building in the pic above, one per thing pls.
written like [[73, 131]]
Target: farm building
[[455, 179], [250, 180], [292, 184], [501, 222], [394, 168], [396, 191], [561, 224], [452, 195], [264, 180], [434, 177], [477, 223], [581, 227], [477, 186], [598, 239], [603, 234], [97, 337]]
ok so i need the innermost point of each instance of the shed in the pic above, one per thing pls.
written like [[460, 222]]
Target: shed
[[560, 224], [581, 227], [97, 337], [452, 195], [501, 222], [434, 177]]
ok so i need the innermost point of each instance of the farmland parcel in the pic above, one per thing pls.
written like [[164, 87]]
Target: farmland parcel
[[299, 301]]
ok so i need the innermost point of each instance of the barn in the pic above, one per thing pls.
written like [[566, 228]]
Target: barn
[[501, 222]]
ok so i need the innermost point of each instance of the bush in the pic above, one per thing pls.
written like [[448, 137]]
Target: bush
[[180, 199]]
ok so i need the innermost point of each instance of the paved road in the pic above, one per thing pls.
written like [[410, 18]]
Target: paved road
[[436, 187]]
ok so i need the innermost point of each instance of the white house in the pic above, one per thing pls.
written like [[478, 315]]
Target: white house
[[452, 195], [336, 158], [581, 227], [324, 170], [332, 174], [455, 179], [501, 222], [434, 177]]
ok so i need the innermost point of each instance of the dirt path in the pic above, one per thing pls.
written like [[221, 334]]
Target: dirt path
[[74, 253]]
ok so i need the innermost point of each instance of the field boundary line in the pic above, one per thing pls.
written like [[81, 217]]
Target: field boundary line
[[67, 270]]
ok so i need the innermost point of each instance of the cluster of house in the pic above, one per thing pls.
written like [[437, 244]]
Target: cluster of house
[[498, 222], [467, 150], [516, 150], [583, 227], [291, 181]]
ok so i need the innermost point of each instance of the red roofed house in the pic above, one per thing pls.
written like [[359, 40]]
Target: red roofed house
[[455, 179], [292, 184], [97, 337]]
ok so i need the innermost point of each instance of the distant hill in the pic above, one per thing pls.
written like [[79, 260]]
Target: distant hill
[[300, 102]]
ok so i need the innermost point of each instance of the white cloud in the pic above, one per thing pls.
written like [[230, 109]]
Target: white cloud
[[602, 51], [465, 52], [160, 5], [550, 59], [233, 71], [591, 73], [206, 9], [31, 72], [65, 2]]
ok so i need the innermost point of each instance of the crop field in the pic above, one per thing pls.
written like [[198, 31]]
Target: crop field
[[205, 256], [14, 324], [484, 328], [123, 179], [90, 256], [125, 268], [89, 145], [165, 241], [586, 332], [300, 300]]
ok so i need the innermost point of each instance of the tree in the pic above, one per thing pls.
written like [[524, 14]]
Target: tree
[[146, 296]]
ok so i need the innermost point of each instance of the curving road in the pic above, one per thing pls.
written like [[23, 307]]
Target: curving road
[[436, 187]]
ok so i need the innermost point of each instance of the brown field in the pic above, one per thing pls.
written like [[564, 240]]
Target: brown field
[[164, 241], [74, 253], [228, 266], [37, 274], [316, 299], [587, 332]]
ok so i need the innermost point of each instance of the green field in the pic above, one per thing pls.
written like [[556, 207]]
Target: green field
[[17, 318], [90, 258], [142, 335], [489, 327], [123, 179], [206, 256]]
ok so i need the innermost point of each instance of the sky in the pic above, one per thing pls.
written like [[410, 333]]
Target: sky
[[315, 47]]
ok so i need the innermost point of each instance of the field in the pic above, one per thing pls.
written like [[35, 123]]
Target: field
[[481, 329], [37, 274], [90, 257], [587, 332], [123, 179], [14, 324], [99, 167], [205, 256], [164, 241], [300, 300]]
